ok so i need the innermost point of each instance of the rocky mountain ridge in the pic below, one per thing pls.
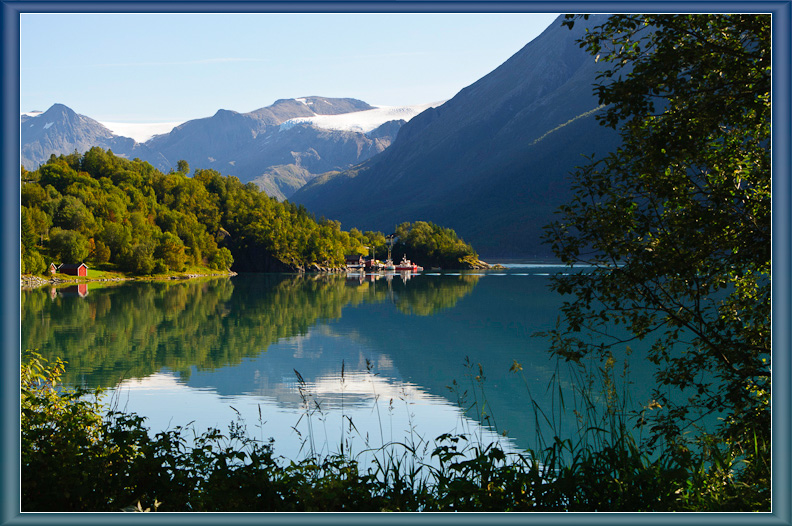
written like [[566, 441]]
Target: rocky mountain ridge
[[253, 146]]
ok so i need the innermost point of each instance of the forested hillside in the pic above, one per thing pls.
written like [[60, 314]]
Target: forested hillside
[[126, 215]]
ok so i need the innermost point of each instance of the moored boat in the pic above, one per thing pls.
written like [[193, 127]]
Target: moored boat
[[407, 265]]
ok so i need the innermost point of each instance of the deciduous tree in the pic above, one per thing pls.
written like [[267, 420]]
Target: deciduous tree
[[676, 222], [70, 245]]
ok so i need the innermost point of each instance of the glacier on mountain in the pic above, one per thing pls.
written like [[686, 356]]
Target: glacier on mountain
[[360, 121]]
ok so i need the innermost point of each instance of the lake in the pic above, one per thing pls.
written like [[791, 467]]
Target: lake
[[321, 362]]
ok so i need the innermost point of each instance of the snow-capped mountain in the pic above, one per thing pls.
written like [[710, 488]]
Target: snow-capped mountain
[[280, 146]]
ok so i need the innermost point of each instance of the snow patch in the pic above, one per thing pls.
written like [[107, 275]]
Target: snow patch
[[48, 125], [361, 121], [306, 102], [140, 132]]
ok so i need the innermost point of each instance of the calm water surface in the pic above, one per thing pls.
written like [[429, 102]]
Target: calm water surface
[[314, 361]]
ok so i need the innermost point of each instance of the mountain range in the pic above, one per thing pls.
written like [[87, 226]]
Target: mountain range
[[492, 163], [279, 147]]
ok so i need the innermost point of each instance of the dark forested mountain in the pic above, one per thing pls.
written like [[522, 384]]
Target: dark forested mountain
[[257, 146], [491, 163]]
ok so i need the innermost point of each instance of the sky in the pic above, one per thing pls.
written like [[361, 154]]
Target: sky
[[144, 68]]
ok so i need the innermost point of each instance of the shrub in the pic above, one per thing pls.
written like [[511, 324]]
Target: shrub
[[76, 457]]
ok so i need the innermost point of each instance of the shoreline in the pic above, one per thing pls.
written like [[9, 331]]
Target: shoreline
[[31, 281]]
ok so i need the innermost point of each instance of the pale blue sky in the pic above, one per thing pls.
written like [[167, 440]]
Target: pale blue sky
[[175, 67]]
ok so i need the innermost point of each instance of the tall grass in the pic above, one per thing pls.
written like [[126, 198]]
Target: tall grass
[[116, 464]]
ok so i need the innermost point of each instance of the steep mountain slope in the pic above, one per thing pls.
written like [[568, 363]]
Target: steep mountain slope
[[491, 163]]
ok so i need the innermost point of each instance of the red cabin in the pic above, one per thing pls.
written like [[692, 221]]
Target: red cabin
[[74, 269]]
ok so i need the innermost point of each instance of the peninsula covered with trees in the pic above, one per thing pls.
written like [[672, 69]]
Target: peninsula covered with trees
[[125, 215]]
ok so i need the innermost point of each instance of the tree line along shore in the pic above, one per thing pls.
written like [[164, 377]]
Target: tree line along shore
[[124, 218]]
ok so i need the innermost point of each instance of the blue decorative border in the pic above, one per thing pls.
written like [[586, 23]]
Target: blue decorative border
[[9, 223]]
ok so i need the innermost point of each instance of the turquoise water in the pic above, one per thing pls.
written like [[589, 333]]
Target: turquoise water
[[321, 362]]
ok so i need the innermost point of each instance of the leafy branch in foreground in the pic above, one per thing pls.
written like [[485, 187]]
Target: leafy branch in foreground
[[674, 229]]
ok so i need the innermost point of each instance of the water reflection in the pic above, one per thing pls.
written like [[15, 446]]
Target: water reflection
[[136, 329], [394, 355]]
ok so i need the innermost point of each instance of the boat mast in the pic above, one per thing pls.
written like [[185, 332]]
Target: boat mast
[[390, 245]]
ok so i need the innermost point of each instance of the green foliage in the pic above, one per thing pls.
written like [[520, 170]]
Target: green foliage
[[40, 224], [75, 457], [33, 262], [144, 221], [72, 214], [221, 259], [32, 193], [675, 225], [170, 249], [140, 259], [100, 253], [183, 166], [67, 462], [69, 246], [431, 245]]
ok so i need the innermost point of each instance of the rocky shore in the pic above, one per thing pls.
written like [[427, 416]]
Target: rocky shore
[[36, 281], [313, 267], [472, 263], [483, 265]]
